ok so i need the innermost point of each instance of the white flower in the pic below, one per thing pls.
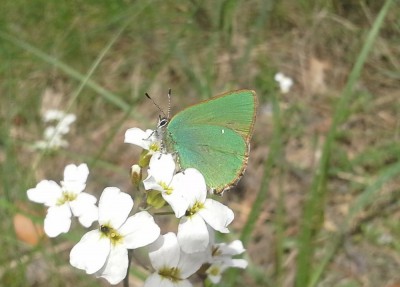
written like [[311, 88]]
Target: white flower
[[147, 140], [63, 120], [103, 251], [60, 116], [285, 83], [65, 200], [221, 259], [161, 177], [52, 140], [63, 125], [53, 115], [172, 265], [193, 233], [53, 135]]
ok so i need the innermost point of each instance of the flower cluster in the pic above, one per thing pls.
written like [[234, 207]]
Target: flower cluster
[[103, 251], [53, 136], [285, 83]]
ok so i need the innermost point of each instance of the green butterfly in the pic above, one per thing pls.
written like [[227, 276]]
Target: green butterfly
[[213, 136]]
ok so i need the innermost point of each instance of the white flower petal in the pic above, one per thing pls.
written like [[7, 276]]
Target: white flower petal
[[151, 183], [155, 280], [53, 114], [67, 120], [214, 272], [162, 167], [75, 178], [190, 263], [58, 220], [211, 232], [139, 230], [178, 204], [116, 267], [193, 234], [85, 209], [81, 202], [50, 132], [191, 184], [231, 249], [91, 252], [183, 283], [237, 263], [285, 83], [165, 251], [46, 192], [73, 186], [114, 207], [61, 128], [278, 76], [139, 137], [217, 215], [91, 215], [76, 173], [52, 139], [215, 279]]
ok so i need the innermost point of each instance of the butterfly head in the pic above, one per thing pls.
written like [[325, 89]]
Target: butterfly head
[[161, 127], [162, 122], [161, 130]]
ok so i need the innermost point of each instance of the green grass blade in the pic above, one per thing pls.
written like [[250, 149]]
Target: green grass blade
[[368, 196], [365, 199], [85, 80], [110, 97], [274, 157], [315, 202], [279, 224]]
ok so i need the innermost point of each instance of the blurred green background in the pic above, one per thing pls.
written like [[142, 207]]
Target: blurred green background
[[319, 203]]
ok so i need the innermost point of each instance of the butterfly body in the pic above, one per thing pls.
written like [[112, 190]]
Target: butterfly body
[[213, 136]]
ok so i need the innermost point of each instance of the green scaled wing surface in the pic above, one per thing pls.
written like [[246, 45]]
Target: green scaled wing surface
[[213, 137]]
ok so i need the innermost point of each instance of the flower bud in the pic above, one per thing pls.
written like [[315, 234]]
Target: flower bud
[[136, 174], [145, 157], [155, 199]]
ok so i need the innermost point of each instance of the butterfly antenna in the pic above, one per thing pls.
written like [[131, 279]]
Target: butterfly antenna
[[158, 107], [169, 103]]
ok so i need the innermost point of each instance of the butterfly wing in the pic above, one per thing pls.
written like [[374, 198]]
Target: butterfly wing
[[213, 137]]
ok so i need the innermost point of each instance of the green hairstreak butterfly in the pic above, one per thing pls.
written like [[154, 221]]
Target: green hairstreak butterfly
[[213, 136]]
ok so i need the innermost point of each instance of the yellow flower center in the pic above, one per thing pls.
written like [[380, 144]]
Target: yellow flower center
[[214, 270], [111, 233], [173, 274], [168, 190], [195, 208], [66, 197]]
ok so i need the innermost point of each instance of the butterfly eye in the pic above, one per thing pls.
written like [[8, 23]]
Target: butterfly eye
[[162, 122]]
